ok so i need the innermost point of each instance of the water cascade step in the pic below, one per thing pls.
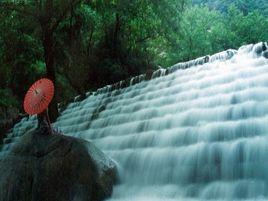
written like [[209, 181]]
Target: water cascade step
[[195, 131]]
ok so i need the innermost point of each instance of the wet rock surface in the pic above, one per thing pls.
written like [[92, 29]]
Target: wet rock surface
[[42, 167]]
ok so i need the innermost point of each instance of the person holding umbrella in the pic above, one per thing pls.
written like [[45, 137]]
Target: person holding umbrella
[[37, 99]]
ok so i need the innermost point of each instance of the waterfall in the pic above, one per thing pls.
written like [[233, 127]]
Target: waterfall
[[195, 131]]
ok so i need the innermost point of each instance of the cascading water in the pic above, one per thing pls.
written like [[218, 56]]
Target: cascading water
[[194, 134]]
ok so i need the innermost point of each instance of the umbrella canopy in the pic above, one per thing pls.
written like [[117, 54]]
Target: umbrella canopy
[[38, 96]]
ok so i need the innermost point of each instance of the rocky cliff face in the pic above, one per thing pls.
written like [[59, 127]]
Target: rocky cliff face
[[43, 167]]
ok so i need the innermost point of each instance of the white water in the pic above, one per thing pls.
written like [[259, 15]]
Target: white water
[[195, 134]]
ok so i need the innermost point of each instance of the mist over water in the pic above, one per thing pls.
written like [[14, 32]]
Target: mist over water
[[193, 134]]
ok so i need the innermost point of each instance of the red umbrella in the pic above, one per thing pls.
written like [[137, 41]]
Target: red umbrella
[[38, 96]]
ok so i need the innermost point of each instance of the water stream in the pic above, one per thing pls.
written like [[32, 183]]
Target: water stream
[[190, 134]]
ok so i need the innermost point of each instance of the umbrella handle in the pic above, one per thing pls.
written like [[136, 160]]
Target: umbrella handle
[[48, 121]]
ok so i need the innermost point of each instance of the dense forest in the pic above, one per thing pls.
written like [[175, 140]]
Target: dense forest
[[85, 44]]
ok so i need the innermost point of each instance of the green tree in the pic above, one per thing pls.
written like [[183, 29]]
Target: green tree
[[203, 31], [248, 28], [47, 15], [19, 54], [245, 6]]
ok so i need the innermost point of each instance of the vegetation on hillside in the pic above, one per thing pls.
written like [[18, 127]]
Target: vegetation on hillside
[[246, 6]]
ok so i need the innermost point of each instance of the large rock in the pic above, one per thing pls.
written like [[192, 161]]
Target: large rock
[[54, 167]]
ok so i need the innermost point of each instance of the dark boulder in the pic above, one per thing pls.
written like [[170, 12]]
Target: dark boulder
[[54, 167], [265, 54]]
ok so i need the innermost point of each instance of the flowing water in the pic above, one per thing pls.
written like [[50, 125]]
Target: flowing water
[[189, 134]]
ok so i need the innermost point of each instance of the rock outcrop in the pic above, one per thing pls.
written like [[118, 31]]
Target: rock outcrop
[[43, 167]]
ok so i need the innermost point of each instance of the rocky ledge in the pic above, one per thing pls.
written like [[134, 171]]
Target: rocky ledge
[[43, 167]]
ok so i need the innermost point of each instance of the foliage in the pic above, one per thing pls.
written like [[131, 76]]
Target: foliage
[[203, 32], [20, 54], [245, 6], [250, 28], [206, 31], [7, 99]]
